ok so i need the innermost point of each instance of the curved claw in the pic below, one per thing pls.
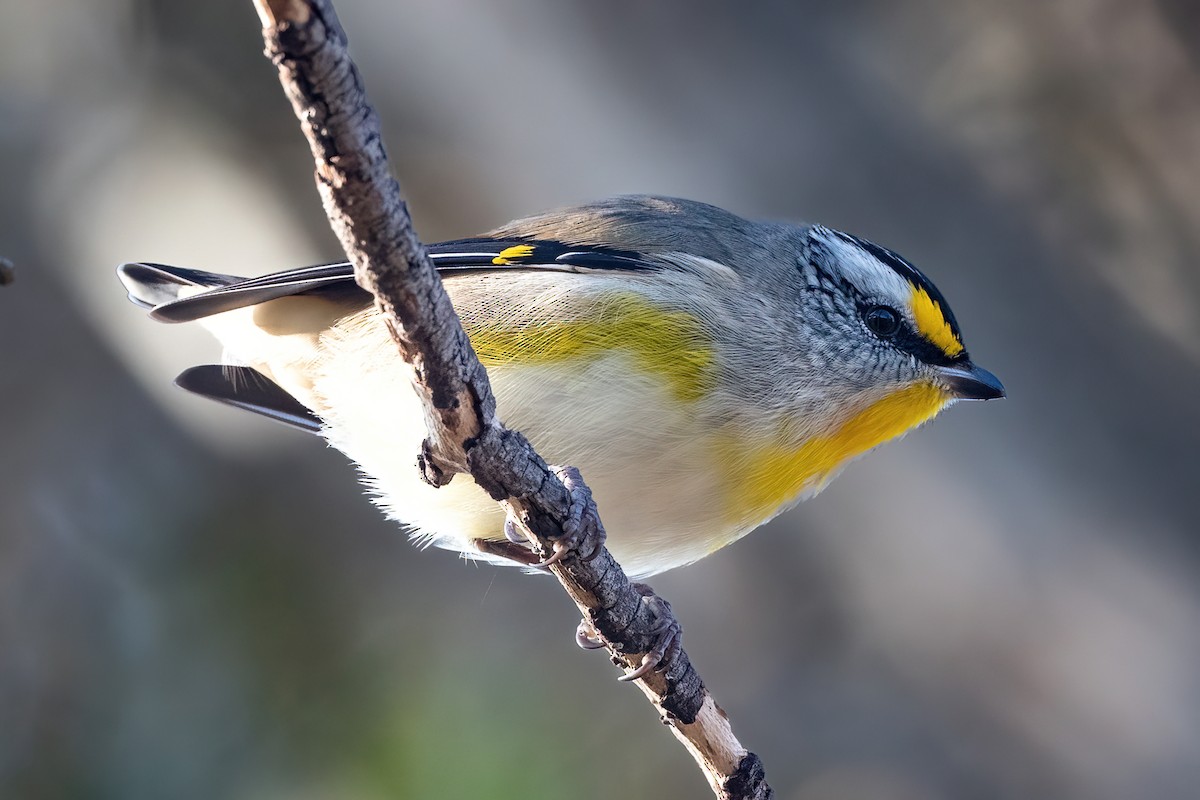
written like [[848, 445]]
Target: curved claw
[[512, 532], [649, 662], [666, 632], [587, 638], [664, 650], [560, 552]]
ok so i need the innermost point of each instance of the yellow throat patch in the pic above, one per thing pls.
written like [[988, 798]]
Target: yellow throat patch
[[667, 344], [765, 479]]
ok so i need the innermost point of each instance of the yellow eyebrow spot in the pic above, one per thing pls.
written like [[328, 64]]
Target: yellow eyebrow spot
[[932, 324], [510, 254]]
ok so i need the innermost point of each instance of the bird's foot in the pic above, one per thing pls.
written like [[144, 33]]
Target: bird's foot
[[668, 635], [587, 637], [582, 532], [513, 551]]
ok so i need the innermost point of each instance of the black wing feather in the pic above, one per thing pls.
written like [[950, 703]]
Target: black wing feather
[[148, 282], [151, 285], [249, 389], [253, 292]]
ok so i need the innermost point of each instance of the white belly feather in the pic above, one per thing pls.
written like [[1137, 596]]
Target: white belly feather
[[644, 454]]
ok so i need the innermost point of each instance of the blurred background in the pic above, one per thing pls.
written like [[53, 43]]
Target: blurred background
[[199, 604]]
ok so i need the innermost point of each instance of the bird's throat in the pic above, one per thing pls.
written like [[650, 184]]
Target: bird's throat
[[764, 479]]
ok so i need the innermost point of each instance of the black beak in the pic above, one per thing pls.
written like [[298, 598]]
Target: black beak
[[970, 382]]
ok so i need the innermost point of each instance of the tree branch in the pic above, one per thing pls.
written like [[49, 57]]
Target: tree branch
[[306, 43]]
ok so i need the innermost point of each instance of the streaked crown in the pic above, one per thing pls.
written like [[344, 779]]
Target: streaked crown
[[878, 277]]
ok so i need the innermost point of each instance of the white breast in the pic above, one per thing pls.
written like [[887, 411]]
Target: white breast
[[645, 458]]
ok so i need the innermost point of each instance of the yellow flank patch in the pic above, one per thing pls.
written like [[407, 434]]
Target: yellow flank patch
[[932, 324], [514, 253], [669, 345], [762, 480]]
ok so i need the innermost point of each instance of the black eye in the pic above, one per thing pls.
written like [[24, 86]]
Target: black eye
[[884, 322]]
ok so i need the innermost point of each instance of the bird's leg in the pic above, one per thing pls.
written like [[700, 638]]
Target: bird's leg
[[582, 532], [582, 535], [513, 551], [515, 546], [667, 634]]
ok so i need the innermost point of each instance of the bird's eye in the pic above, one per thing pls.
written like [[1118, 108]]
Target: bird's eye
[[884, 322]]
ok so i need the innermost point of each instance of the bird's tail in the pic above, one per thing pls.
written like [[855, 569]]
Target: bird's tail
[[158, 287], [151, 285]]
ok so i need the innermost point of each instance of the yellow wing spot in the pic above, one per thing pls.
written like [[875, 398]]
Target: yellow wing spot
[[514, 253], [932, 324], [765, 479], [666, 344]]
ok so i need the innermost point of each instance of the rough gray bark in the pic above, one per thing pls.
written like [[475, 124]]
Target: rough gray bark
[[306, 43]]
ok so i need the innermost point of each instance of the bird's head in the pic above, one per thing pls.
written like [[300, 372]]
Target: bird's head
[[877, 352], [881, 326]]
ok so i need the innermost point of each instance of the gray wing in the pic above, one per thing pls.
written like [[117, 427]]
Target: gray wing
[[623, 234], [649, 224]]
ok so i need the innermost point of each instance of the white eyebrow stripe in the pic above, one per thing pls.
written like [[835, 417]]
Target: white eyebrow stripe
[[871, 277]]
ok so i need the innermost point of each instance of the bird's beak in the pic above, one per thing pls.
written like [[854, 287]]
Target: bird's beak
[[969, 382]]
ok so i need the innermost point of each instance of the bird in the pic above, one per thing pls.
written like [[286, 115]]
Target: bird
[[703, 371]]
